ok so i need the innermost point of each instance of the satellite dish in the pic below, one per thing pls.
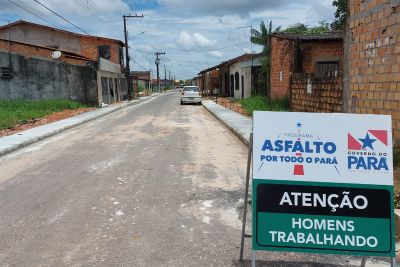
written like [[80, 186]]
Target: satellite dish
[[56, 54]]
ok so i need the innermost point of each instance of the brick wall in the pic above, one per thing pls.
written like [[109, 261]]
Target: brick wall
[[281, 61], [31, 51], [326, 94], [373, 49], [312, 52], [89, 48], [283, 54]]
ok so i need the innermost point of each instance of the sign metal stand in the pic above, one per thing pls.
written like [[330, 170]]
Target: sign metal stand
[[246, 196], [393, 262]]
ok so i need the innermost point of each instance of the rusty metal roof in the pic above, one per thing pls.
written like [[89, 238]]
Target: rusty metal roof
[[328, 36]]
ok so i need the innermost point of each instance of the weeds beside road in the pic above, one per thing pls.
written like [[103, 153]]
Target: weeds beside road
[[14, 112], [263, 104]]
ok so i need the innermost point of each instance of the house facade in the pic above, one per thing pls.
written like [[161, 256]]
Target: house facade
[[316, 55], [232, 78], [105, 52], [241, 71], [30, 72]]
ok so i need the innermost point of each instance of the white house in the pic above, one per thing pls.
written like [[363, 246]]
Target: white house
[[240, 71]]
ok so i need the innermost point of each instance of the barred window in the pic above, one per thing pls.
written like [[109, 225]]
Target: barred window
[[327, 69]]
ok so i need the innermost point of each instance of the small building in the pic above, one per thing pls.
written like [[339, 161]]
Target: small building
[[232, 78], [35, 72], [318, 55], [242, 72], [106, 53], [141, 80], [209, 81]]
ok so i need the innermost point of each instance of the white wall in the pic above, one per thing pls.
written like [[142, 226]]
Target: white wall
[[244, 69]]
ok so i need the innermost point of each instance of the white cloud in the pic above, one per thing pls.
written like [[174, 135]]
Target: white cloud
[[190, 32], [191, 42], [216, 53]]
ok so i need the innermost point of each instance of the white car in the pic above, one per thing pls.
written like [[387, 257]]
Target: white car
[[190, 94]]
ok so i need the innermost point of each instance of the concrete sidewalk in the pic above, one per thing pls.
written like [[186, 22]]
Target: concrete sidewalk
[[21, 139], [240, 125]]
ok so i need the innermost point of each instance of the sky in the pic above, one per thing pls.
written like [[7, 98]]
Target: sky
[[194, 34]]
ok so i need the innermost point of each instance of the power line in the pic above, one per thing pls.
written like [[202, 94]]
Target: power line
[[55, 13], [96, 15], [140, 65], [216, 49], [31, 12]]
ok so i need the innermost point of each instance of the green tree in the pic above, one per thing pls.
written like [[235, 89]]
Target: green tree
[[263, 37], [300, 28], [340, 14]]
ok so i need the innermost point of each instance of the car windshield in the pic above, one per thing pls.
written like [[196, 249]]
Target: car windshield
[[191, 89]]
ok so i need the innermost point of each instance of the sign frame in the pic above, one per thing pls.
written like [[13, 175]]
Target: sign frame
[[256, 182]]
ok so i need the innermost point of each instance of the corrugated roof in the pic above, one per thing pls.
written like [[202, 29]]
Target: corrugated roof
[[333, 35], [231, 61]]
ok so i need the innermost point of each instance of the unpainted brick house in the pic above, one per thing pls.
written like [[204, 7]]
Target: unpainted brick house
[[372, 69], [105, 54], [307, 69]]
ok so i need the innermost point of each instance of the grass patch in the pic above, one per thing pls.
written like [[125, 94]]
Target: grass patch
[[13, 112], [261, 103]]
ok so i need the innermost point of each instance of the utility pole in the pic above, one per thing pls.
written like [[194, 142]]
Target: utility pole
[[128, 71], [169, 78], [165, 78], [158, 69]]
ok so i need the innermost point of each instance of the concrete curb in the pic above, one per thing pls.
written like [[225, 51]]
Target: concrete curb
[[100, 113], [235, 131]]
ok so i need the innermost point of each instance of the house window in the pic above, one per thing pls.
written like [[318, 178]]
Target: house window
[[6, 73], [237, 81], [104, 51], [327, 69], [232, 82]]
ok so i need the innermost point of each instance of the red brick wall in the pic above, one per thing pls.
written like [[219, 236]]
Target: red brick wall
[[89, 48], [326, 94], [312, 52], [283, 53], [280, 62], [30, 51], [374, 59]]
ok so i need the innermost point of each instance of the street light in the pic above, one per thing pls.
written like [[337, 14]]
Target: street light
[[137, 35], [252, 57]]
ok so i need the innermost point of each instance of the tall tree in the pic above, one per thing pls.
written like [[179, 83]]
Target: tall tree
[[263, 37], [340, 14]]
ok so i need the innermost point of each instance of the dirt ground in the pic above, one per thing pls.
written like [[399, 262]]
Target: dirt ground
[[56, 116], [230, 103]]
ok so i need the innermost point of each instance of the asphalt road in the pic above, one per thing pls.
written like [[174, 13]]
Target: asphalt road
[[158, 184]]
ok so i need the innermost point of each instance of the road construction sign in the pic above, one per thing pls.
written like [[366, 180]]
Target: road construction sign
[[323, 183]]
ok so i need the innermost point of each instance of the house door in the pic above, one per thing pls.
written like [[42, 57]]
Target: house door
[[242, 87], [226, 85], [117, 92], [111, 87], [232, 84], [105, 96]]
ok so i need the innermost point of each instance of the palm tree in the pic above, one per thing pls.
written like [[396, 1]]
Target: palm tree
[[263, 37]]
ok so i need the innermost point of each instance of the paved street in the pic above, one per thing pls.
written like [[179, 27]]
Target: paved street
[[157, 184]]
